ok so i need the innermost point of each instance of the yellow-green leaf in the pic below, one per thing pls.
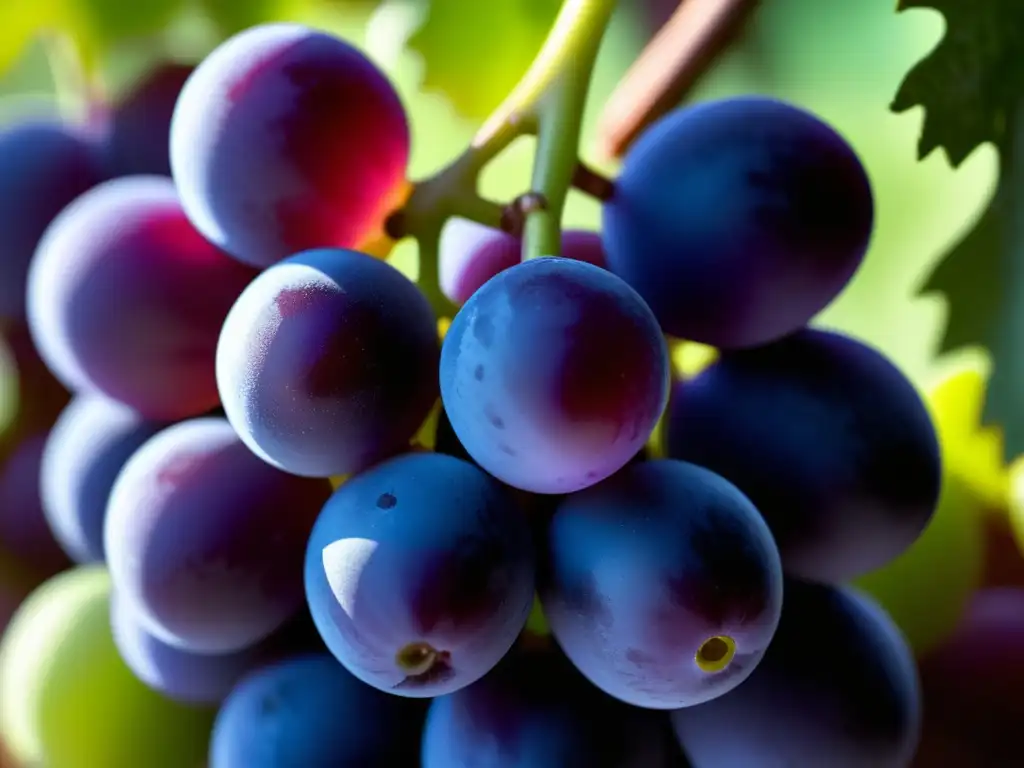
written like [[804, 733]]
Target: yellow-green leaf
[[475, 51]]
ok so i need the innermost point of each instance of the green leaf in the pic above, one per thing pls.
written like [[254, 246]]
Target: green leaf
[[972, 89], [475, 51], [982, 278], [970, 84], [97, 26]]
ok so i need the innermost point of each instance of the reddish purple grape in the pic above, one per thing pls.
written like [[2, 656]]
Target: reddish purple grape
[[206, 541], [287, 139], [84, 453], [837, 687], [972, 687], [535, 711], [662, 584], [328, 363], [24, 530], [139, 134], [419, 574], [738, 220], [185, 676], [44, 165], [127, 299], [554, 375], [827, 437], [471, 254]]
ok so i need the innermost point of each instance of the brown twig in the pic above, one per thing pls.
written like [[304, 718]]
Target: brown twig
[[592, 183], [668, 68]]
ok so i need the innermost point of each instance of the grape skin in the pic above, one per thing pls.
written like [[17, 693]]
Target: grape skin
[[86, 449], [126, 299], [307, 712], [137, 140], [421, 549], [535, 711], [327, 363], [971, 686], [738, 220], [828, 439], [24, 531], [44, 165], [639, 571], [287, 139], [471, 254], [837, 687], [554, 375], [190, 678], [205, 541]]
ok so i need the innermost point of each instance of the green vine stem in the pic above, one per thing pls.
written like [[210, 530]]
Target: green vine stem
[[548, 102]]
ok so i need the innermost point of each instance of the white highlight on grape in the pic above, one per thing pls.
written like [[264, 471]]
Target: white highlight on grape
[[344, 562]]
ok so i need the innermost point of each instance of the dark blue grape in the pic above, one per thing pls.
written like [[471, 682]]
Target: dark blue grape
[[139, 134], [24, 531], [85, 451], [205, 541], [126, 299], [827, 438], [191, 678], [837, 687], [738, 220], [662, 584], [44, 165], [554, 375], [419, 574], [471, 254], [328, 363], [308, 712], [535, 711], [286, 139]]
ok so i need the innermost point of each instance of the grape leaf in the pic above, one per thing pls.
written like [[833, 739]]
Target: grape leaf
[[972, 89], [475, 51]]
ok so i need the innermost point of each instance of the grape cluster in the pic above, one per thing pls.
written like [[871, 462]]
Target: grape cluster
[[324, 536]]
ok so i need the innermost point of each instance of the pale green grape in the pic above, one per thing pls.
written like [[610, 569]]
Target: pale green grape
[[68, 701]]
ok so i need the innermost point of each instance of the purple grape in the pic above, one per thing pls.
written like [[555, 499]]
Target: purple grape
[[37, 396], [837, 687], [85, 451], [44, 165], [328, 363], [971, 686], [662, 584], [205, 541], [126, 299], [827, 438], [307, 712], [139, 135], [471, 254], [535, 711], [738, 220], [554, 375], [191, 678], [287, 139], [24, 531], [419, 574]]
